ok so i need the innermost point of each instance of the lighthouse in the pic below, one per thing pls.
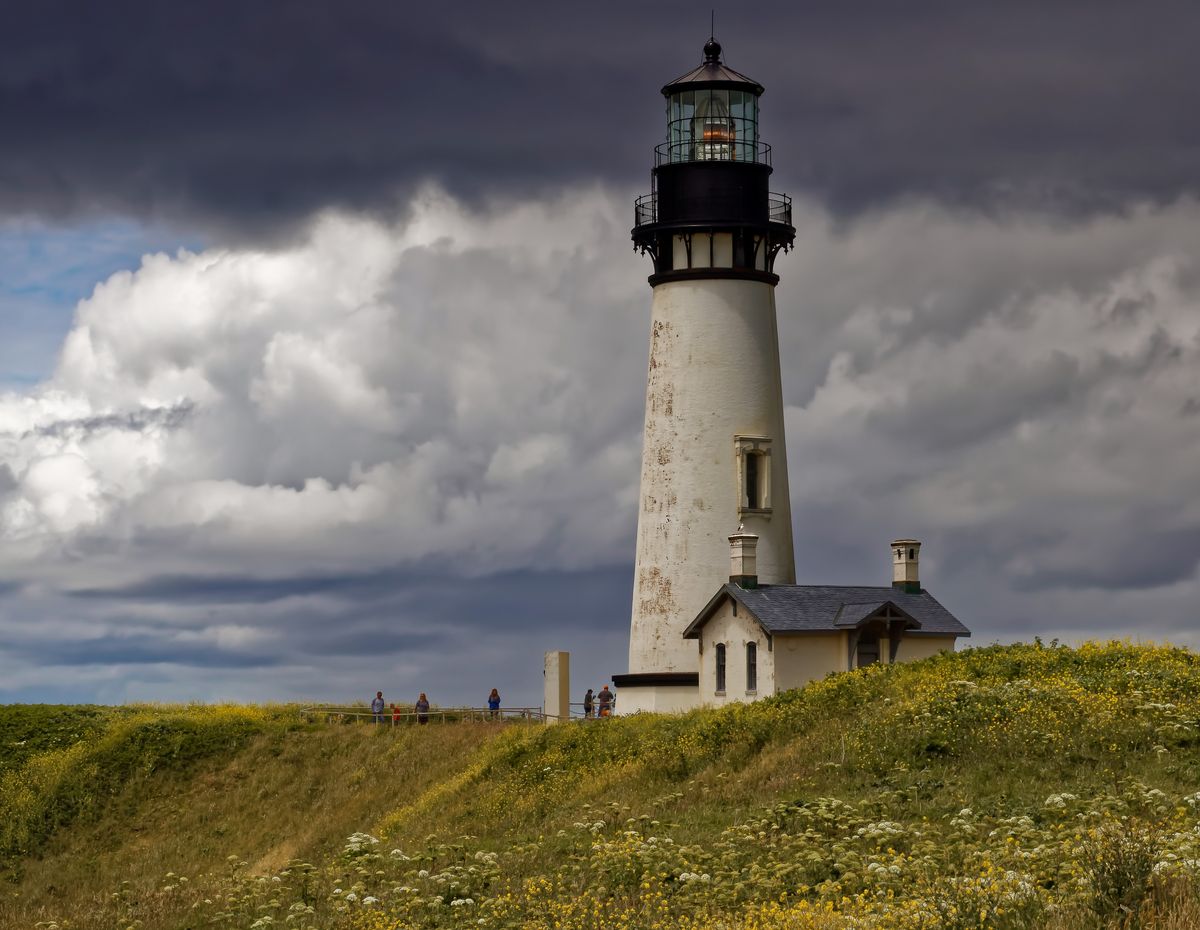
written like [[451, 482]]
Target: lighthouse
[[713, 457]]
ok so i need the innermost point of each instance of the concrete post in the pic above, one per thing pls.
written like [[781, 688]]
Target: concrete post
[[557, 697]]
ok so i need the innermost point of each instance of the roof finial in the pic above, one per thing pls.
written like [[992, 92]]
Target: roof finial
[[712, 52]]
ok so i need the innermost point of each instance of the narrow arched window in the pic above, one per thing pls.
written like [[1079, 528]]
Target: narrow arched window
[[720, 659], [753, 481], [751, 666]]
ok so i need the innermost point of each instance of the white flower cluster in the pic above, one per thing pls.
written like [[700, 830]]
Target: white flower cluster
[[884, 829], [358, 843]]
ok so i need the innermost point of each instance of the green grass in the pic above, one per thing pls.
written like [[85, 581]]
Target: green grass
[[1033, 786]]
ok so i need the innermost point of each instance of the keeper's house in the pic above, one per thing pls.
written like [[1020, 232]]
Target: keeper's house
[[756, 640]]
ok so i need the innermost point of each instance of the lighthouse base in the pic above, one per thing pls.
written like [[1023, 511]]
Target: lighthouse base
[[657, 692]]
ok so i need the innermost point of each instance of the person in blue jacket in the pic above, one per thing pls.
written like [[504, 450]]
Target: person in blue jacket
[[494, 704]]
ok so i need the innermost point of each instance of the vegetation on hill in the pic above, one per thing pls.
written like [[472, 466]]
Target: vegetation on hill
[[1007, 787]]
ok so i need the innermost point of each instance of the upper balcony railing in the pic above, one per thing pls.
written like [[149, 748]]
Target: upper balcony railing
[[674, 153], [779, 209]]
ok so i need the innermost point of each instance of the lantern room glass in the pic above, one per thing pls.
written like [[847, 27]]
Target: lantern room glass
[[712, 124]]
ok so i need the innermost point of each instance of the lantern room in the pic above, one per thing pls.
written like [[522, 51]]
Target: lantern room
[[712, 113]]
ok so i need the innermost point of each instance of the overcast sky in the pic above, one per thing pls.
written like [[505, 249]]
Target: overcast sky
[[323, 343]]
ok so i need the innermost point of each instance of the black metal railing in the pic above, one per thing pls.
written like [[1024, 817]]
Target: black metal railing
[[779, 208], [673, 153], [645, 209]]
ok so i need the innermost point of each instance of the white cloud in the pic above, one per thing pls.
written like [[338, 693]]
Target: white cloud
[[462, 393]]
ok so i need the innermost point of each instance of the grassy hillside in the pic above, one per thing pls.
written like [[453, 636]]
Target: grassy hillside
[[1007, 787]]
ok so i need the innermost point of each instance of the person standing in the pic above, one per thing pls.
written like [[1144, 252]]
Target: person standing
[[606, 701], [377, 708], [422, 709], [494, 704], [395, 715], [589, 705]]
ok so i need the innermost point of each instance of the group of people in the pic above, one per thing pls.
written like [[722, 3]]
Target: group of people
[[379, 715], [604, 701], [421, 708], [595, 704]]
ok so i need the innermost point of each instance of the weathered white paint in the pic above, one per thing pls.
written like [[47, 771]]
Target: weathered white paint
[[801, 658], [906, 554], [556, 701], [912, 648], [713, 376], [735, 632]]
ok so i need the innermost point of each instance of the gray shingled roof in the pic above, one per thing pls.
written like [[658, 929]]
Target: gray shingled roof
[[787, 608]]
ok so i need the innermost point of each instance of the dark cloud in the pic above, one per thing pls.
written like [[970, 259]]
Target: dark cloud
[[250, 115], [526, 600], [132, 421], [126, 650], [236, 589]]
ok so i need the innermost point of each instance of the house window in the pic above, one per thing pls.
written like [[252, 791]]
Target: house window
[[751, 666], [720, 668], [753, 455]]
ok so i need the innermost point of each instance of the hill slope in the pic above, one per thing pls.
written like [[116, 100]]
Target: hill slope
[[1003, 787]]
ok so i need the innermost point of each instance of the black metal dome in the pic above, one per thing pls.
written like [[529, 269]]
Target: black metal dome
[[713, 73]]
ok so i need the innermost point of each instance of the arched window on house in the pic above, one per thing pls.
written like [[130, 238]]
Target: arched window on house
[[720, 661]]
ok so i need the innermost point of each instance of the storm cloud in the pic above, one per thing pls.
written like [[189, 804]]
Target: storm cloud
[[244, 118], [377, 423]]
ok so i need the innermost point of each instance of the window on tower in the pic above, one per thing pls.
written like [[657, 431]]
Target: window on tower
[[712, 124], [754, 474]]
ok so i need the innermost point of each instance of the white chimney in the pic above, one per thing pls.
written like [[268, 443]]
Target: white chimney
[[743, 559], [906, 554]]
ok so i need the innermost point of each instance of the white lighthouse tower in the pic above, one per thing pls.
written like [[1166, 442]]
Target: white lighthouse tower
[[713, 454]]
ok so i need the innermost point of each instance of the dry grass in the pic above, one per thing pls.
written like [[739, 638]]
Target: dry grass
[[290, 795], [1015, 788]]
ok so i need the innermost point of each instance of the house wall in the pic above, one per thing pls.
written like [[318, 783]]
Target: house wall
[[735, 633], [658, 699], [913, 648], [801, 658]]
